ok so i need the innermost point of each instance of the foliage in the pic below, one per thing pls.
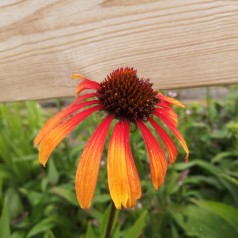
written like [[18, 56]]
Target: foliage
[[198, 199]]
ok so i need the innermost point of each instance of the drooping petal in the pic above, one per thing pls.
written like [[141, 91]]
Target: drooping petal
[[123, 179], [169, 100], [89, 163], [176, 133], [158, 163], [170, 114], [133, 177], [83, 97], [164, 104], [77, 76], [53, 138], [168, 142], [87, 84], [59, 117]]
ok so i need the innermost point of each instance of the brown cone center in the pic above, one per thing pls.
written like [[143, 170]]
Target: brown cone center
[[126, 96]]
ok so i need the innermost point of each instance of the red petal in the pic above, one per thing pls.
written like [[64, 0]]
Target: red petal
[[169, 100], [169, 113], [85, 96], [53, 138], [158, 163], [59, 117], [87, 84], [89, 163], [176, 133], [123, 179], [168, 142]]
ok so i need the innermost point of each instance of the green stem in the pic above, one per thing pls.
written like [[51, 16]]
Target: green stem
[[110, 221]]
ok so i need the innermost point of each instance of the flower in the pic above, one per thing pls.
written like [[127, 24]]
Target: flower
[[172, 94], [127, 99], [188, 112]]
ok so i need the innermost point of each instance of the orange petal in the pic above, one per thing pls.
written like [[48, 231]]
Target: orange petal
[[169, 100], [89, 163], [158, 163], [123, 179], [77, 76], [133, 177], [170, 114], [176, 133], [53, 138], [59, 117], [168, 142], [87, 84]]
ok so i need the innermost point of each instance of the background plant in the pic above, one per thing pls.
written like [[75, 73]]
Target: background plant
[[198, 199]]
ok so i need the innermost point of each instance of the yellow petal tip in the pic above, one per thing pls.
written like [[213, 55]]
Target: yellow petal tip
[[42, 163], [186, 158], [77, 76]]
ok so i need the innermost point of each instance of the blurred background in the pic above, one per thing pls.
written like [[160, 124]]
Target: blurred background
[[198, 198]]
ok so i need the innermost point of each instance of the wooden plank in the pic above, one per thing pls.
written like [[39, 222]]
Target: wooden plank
[[178, 44]]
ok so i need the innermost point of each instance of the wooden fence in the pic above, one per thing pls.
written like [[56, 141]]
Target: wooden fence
[[176, 43]]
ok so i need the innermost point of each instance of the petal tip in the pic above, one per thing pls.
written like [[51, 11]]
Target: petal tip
[[85, 206], [43, 164], [118, 206], [181, 105], [156, 186], [42, 161], [36, 144], [186, 158], [36, 141], [77, 76]]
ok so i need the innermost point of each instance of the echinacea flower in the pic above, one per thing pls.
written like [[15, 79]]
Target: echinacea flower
[[126, 98]]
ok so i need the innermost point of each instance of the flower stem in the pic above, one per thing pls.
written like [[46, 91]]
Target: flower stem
[[110, 221]]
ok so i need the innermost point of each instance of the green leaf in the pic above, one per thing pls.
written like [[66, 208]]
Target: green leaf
[[65, 193], [101, 198], [116, 232], [176, 213], [105, 221], [89, 232], [230, 179], [6, 172], [15, 204], [33, 197], [5, 221], [231, 184], [182, 166], [53, 173], [228, 213], [19, 234], [174, 232], [203, 224], [1, 188], [221, 156], [49, 234], [199, 179], [45, 225], [208, 167], [138, 226]]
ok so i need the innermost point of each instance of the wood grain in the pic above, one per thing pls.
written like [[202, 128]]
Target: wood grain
[[178, 44]]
